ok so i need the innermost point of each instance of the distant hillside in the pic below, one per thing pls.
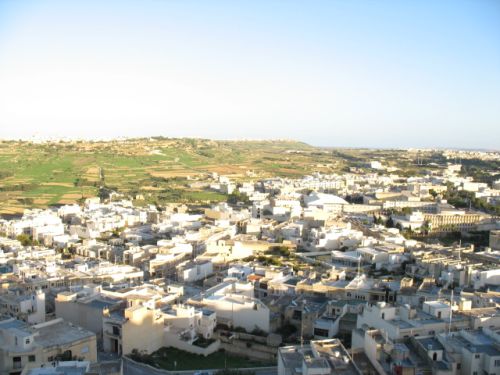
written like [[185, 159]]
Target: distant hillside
[[41, 174], [165, 170]]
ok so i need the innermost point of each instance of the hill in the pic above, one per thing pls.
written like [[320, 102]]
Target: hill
[[165, 170], [42, 174]]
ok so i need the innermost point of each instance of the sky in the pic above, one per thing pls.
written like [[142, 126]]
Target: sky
[[350, 73]]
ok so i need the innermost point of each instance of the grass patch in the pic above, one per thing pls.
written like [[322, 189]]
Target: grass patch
[[174, 359]]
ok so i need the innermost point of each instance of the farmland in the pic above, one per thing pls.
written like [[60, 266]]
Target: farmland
[[44, 174], [160, 170]]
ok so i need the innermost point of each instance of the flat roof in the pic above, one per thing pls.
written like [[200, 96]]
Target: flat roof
[[59, 333], [430, 343], [12, 323]]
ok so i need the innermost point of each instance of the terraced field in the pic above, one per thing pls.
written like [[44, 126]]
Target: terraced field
[[39, 175], [162, 170]]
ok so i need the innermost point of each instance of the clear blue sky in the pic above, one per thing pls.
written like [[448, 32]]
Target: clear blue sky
[[406, 73]]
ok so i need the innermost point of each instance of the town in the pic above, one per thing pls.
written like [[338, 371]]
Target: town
[[360, 272]]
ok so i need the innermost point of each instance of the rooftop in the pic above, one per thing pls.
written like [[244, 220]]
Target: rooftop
[[61, 368], [58, 332]]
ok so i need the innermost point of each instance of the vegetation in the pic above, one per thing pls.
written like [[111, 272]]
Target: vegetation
[[178, 360], [162, 170], [286, 331], [465, 199], [236, 197], [479, 239], [203, 342], [481, 170], [27, 240]]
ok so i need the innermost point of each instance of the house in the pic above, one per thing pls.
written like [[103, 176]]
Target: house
[[186, 326], [23, 345], [235, 306], [192, 271], [136, 327], [326, 202], [85, 311], [320, 357], [25, 306]]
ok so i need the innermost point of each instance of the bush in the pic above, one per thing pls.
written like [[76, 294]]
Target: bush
[[138, 356], [287, 330], [203, 342], [258, 332], [26, 240], [236, 197]]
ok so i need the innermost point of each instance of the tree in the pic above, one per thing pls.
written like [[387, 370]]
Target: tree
[[425, 228], [236, 197], [407, 210], [25, 239], [390, 222]]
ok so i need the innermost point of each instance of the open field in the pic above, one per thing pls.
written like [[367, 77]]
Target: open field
[[38, 175], [162, 169]]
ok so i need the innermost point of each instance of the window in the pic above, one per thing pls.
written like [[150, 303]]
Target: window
[[31, 358], [27, 341], [497, 362], [16, 362], [477, 356], [320, 332], [459, 366]]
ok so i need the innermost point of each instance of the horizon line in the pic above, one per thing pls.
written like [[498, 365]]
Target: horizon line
[[68, 139]]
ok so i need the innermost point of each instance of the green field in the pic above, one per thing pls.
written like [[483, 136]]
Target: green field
[[175, 170], [178, 360], [162, 170]]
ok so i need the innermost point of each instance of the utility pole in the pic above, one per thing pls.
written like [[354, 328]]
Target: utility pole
[[451, 311], [302, 324], [359, 266]]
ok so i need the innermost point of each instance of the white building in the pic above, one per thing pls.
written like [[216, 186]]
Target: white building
[[320, 357], [28, 307], [235, 306], [192, 271]]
